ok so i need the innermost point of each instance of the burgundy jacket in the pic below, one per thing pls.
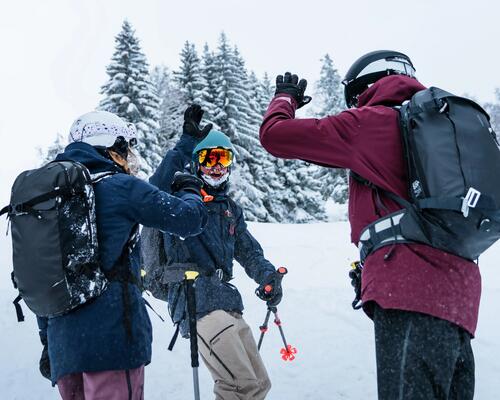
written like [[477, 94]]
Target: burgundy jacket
[[367, 141]]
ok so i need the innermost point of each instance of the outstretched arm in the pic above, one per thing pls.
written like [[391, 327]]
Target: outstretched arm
[[327, 141], [179, 157], [175, 160], [183, 214]]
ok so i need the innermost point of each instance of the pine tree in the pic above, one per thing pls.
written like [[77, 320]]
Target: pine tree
[[171, 108], [53, 150], [329, 95], [209, 72], [130, 94], [494, 110], [190, 76], [239, 121]]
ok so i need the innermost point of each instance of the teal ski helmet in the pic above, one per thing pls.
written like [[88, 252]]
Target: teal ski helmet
[[214, 140]]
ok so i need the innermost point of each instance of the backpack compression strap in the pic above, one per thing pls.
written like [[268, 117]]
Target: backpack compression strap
[[27, 206]]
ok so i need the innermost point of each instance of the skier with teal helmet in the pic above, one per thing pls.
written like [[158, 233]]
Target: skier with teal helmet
[[225, 341], [216, 147]]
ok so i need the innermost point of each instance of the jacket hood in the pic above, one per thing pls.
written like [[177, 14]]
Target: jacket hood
[[392, 90], [89, 156]]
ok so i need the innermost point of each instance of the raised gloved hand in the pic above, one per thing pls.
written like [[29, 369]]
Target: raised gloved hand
[[44, 363], [192, 119], [270, 288], [290, 84], [186, 182]]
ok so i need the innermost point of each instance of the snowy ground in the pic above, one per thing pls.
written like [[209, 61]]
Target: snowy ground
[[335, 357]]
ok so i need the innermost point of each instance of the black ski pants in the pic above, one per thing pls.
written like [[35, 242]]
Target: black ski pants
[[420, 357]]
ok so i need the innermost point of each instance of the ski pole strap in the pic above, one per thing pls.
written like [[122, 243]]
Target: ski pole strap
[[174, 338], [190, 277], [19, 310], [152, 309], [383, 232]]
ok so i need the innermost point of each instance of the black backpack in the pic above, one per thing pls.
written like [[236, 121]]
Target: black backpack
[[154, 262], [54, 238], [453, 166]]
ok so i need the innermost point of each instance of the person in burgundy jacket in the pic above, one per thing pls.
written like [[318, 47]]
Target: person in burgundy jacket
[[424, 302]]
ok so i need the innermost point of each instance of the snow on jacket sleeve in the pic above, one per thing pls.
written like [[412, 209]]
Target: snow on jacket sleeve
[[327, 141], [152, 207], [249, 253], [175, 160]]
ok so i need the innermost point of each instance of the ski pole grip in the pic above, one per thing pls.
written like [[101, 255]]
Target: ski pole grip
[[190, 277], [282, 271]]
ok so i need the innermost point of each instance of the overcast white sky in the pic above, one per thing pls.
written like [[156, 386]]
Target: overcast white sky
[[54, 53]]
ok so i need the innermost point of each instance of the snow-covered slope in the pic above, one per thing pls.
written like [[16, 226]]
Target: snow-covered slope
[[335, 344]]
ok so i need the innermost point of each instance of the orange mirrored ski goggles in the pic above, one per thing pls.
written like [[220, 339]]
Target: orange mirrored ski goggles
[[211, 157]]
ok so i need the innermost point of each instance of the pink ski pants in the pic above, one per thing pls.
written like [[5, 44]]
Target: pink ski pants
[[109, 385]]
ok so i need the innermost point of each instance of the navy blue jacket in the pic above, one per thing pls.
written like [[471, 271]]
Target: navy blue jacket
[[92, 337], [224, 239]]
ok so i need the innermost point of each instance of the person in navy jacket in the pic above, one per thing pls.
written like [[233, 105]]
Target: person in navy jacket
[[99, 350], [225, 341]]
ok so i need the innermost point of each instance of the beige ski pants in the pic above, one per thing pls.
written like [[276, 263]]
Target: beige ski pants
[[229, 351]]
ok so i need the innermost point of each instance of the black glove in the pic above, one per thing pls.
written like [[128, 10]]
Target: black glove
[[44, 363], [192, 119], [290, 85], [355, 276], [186, 182], [270, 289]]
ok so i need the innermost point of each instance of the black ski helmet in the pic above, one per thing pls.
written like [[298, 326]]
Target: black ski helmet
[[370, 68]]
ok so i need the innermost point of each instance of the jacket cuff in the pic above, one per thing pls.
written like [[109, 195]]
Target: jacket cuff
[[286, 97]]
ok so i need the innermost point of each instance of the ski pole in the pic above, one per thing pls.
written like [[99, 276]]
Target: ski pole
[[267, 291], [189, 278], [263, 328], [288, 352]]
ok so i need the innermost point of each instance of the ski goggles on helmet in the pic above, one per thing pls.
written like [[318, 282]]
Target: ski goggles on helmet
[[122, 145], [211, 157], [394, 65]]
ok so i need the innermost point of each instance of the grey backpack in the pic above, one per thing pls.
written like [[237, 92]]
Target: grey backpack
[[54, 238]]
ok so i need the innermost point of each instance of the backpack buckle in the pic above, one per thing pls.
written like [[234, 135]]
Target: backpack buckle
[[470, 201], [19, 209]]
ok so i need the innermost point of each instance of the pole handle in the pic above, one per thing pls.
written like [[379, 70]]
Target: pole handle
[[191, 275]]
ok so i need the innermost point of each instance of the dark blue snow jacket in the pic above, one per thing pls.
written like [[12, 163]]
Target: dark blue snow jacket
[[93, 337], [224, 239]]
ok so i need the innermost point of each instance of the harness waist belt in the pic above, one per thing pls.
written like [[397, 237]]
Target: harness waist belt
[[383, 232]]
